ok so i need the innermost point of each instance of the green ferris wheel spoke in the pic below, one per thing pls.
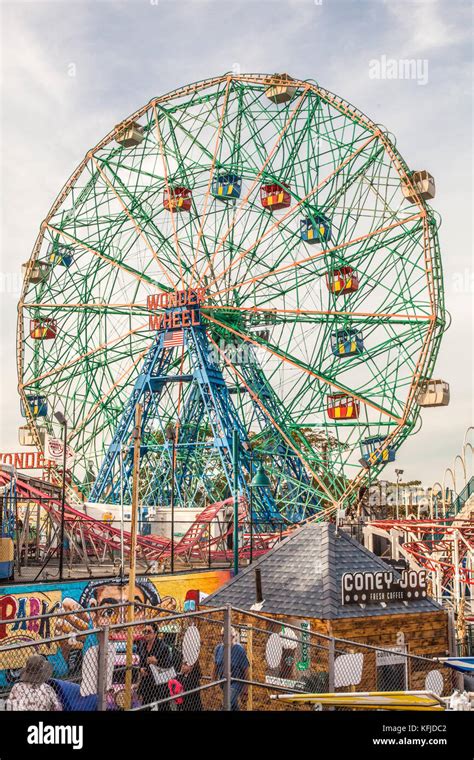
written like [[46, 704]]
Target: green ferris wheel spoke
[[120, 264], [142, 216], [286, 356]]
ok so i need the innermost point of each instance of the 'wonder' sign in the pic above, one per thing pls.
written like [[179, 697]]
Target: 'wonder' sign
[[383, 586], [25, 460]]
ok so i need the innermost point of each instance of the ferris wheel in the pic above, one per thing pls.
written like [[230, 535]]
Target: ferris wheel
[[246, 257]]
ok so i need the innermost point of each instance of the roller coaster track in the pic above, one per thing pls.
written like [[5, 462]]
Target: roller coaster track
[[436, 544], [92, 539]]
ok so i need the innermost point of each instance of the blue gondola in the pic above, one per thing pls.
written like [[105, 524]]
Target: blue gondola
[[373, 450], [347, 342], [38, 406], [61, 254], [226, 186], [315, 229]]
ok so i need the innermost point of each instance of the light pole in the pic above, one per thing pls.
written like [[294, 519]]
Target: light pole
[[171, 438], [136, 437], [122, 560], [251, 505], [235, 463], [63, 422], [366, 465], [260, 480], [399, 474]]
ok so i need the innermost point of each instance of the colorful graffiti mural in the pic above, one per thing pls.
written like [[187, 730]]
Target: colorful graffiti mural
[[181, 593]]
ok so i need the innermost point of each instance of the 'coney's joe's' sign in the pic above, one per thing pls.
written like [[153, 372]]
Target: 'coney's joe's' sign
[[383, 586]]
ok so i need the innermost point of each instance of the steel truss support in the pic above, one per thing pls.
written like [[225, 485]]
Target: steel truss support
[[207, 405]]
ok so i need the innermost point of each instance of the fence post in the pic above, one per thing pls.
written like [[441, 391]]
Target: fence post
[[331, 658], [227, 657], [250, 659], [458, 680], [103, 639]]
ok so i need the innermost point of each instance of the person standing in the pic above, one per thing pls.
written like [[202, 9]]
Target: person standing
[[156, 667], [32, 692], [239, 666], [191, 679]]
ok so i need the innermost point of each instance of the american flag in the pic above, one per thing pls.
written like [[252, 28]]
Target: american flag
[[173, 338]]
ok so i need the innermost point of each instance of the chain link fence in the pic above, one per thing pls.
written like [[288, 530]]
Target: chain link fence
[[216, 659], [290, 657], [56, 673]]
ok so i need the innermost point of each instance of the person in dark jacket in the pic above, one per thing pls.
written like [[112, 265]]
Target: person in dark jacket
[[191, 679], [156, 667]]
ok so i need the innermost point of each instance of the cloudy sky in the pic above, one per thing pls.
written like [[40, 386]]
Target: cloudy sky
[[73, 69]]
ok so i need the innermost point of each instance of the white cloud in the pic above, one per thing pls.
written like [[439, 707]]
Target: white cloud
[[125, 53], [427, 25]]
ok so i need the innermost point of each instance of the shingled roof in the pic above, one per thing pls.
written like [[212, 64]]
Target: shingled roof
[[302, 576]]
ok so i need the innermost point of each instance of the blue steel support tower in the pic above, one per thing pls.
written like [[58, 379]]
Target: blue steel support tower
[[207, 405]]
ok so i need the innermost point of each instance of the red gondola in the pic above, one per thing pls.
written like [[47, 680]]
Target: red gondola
[[341, 406], [343, 280], [177, 199], [43, 329], [275, 196]]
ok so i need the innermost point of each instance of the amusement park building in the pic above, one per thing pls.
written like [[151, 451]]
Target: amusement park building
[[301, 580]]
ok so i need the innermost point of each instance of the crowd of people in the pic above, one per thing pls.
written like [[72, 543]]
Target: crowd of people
[[166, 681], [165, 672]]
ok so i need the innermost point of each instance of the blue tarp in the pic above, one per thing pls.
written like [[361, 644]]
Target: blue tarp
[[70, 696], [464, 664]]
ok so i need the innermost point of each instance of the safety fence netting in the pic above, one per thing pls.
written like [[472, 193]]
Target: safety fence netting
[[124, 657]]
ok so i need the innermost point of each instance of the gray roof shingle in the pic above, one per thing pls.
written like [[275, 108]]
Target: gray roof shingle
[[302, 576]]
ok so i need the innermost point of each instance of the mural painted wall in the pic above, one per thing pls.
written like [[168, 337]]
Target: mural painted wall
[[181, 593]]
